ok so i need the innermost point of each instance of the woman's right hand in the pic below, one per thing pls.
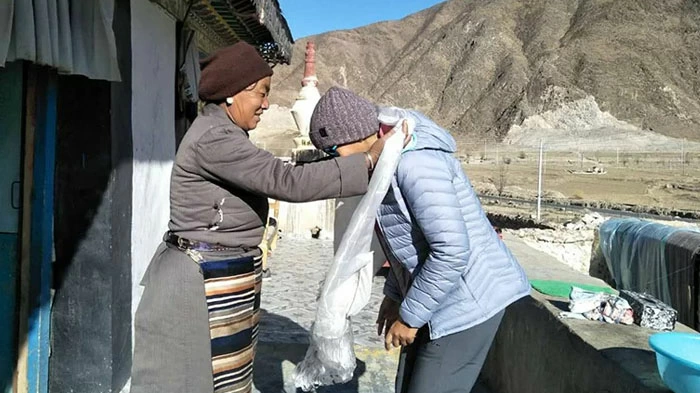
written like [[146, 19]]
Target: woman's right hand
[[377, 147], [388, 314]]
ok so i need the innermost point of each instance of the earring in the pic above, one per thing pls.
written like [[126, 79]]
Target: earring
[[229, 100]]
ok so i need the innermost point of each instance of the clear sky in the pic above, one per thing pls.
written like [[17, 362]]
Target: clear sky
[[309, 17]]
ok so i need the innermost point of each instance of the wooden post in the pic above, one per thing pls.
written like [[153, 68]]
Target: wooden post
[[20, 380], [37, 232], [276, 214], [42, 233], [683, 157], [269, 240]]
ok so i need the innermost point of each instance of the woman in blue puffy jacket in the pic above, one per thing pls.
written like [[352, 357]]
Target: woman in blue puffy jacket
[[451, 276]]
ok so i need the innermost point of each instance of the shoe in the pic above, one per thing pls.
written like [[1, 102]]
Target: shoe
[[266, 274]]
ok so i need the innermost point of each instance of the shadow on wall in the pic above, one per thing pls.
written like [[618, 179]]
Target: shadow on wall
[[632, 355], [91, 311], [91, 269], [283, 344]]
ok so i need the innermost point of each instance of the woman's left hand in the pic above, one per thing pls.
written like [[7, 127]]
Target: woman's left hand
[[400, 334]]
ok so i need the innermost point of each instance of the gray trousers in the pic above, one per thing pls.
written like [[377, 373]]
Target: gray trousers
[[449, 364]]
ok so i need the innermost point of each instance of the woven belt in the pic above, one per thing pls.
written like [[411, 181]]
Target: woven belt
[[187, 244]]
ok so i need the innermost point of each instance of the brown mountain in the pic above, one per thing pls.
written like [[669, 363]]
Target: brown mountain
[[478, 67]]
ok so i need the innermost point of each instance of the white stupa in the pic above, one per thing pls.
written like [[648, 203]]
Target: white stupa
[[306, 101]]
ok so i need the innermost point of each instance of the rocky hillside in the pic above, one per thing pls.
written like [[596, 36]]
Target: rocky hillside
[[480, 67]]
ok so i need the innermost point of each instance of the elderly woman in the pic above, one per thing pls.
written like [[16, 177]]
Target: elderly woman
[[197, 322], [451, 276]]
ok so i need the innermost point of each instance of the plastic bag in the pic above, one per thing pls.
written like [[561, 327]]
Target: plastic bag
[[347, 287], [617, 310], [583, 301], [598, 306]]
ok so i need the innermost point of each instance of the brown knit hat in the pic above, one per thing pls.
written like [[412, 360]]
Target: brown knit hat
[[230, 70], [342, 117]]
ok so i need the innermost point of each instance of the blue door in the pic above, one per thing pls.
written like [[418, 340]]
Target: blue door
[[10, 205]]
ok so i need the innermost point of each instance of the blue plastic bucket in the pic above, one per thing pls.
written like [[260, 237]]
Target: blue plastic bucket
[[678, 360]]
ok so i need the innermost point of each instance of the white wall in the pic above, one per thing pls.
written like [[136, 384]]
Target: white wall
[[344, 210], [153, 127], [299, 218]]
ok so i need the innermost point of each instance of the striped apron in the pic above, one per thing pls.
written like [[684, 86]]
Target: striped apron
[[232, 288]]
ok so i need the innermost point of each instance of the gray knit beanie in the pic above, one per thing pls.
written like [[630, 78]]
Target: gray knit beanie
[[342, 117]]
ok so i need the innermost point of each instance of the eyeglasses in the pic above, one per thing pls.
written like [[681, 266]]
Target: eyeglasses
[[332, 151]]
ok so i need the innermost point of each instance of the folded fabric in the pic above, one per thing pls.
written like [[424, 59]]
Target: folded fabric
[[563, 288], [330, 358]]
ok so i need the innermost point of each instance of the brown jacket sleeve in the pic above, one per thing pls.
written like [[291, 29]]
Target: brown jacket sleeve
[[228, 156]]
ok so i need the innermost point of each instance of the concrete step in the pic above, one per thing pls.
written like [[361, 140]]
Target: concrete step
[[275, 362], [375, 373]]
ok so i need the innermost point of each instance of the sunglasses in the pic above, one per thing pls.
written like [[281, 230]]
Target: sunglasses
[[332, 151]]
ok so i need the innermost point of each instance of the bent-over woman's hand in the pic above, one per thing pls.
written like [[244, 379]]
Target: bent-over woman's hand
[[399, 334], [388, 314]]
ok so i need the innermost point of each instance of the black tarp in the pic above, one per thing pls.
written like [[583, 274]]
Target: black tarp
[[660, 260], [683, 259]]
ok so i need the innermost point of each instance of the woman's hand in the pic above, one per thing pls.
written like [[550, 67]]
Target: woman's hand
[[400, 334], [377, 147], [388, 314]]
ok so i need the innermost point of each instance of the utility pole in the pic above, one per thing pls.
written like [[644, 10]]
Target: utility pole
[[683, 157], [539, 183]]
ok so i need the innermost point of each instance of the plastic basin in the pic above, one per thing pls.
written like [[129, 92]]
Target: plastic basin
[[678, 360]]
